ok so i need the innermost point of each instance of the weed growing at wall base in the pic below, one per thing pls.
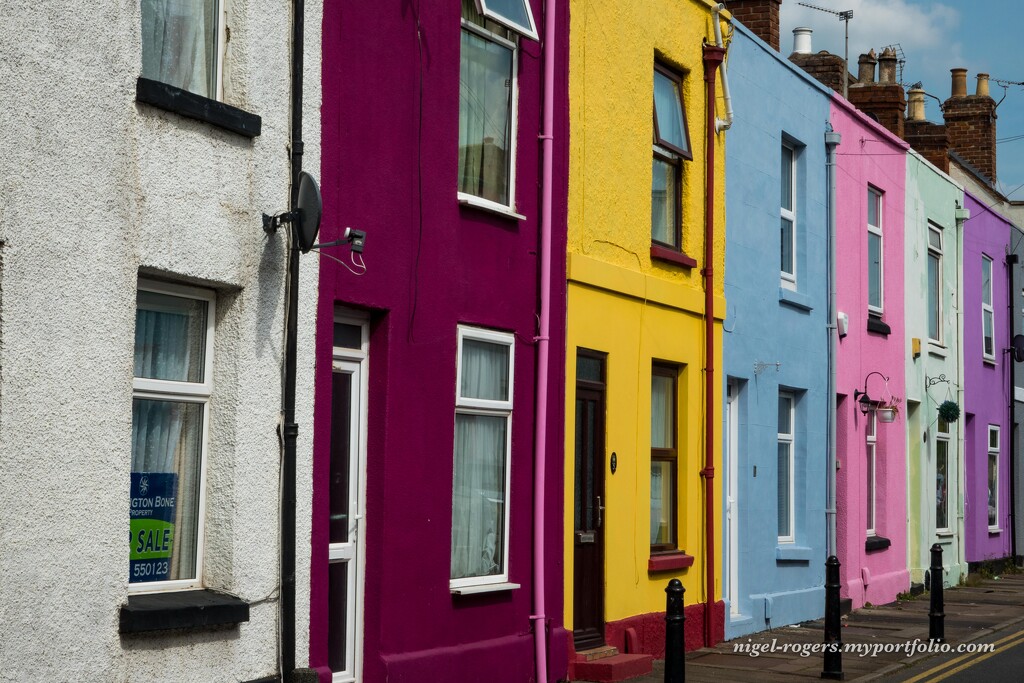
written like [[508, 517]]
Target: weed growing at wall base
[[910, 648]]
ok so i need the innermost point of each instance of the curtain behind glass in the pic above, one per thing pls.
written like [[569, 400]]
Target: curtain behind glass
[[485, 104], [179, 44], [484, 370], [478, 496], [167, 435]]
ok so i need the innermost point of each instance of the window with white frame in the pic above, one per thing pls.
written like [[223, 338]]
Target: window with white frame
[[786, 471], [870, 471], [934, 283], [993, 477], [987, 317], [182, 44], [483, 438], [875, 265], [787, 215], [488, 99], [942, 476], [671, 147], [170, 422]]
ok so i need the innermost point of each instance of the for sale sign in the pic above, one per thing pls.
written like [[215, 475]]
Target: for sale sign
[[153, 504]]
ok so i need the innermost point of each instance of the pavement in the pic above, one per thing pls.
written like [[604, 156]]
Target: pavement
[[975, 614]]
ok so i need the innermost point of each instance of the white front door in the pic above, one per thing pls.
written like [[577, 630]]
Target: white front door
[[346, 493], [732, 497]]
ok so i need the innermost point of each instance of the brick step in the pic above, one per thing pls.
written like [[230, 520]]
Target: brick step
[[596, 653], [845, 606], [611, 669]]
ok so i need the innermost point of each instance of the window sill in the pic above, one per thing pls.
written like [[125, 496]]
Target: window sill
[[876, 543], [485, 588], [988, 361], [474, 202], [945, 534], [181, 609], [994, 530], [667, 255], [876, 325], [190, 105], [800, 302], [937, 349], [665, 562], [793, 553]]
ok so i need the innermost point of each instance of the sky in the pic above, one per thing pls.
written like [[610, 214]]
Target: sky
[[982, 37]]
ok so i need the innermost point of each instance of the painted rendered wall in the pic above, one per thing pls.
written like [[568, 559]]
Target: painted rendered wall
[[390, 168], [633, 308], [99, 189], [986, 382], [775, 338], [932, 198], [869, 155]]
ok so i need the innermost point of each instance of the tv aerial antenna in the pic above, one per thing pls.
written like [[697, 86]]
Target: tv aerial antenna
[[844, 16]]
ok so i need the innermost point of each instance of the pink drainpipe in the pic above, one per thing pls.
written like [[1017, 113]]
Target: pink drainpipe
[[539, 617]]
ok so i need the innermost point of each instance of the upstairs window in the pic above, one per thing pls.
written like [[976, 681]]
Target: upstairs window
[[671, 146], [875, 293], [514, 14], [934, 283], [182, 44], [487, 101], [787, 212], [987, 322]]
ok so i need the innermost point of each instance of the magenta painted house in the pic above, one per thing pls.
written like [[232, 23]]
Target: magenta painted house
[[424, 534], [986, 385], [871, 534]]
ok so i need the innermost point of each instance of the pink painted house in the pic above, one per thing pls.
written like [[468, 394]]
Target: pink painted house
[[871, 534]]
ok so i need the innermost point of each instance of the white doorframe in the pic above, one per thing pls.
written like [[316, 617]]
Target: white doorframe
[[732, 504], [355, 363]]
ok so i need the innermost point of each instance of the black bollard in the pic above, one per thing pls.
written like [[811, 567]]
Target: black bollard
[[936, 615], [833, 668], [675, 633]]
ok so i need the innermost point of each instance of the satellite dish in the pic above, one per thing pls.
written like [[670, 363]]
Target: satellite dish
[[1018, 347], [309, 209]]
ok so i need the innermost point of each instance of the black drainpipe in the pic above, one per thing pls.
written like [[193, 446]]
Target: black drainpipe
[[291, 429]]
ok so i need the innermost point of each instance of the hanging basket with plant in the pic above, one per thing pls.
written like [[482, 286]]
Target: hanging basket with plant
[[949, 411], [888, 411]]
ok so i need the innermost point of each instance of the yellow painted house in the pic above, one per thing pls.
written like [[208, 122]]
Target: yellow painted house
[[637, 409]]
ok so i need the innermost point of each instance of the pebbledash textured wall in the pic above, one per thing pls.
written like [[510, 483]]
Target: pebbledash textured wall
[[97, 190]]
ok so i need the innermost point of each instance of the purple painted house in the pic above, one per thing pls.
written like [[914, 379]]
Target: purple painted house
[[986, 385], [431, 454]]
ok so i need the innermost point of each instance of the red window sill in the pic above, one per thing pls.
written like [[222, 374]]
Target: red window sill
[[663, 562], [660, 253]]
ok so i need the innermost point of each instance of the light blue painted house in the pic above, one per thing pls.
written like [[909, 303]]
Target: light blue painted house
[[776, 341]]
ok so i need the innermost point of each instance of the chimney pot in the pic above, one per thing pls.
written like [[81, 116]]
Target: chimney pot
[[802, 40], [887, 66], [866, 68], [959, 88], [916, 106], [982, 85]]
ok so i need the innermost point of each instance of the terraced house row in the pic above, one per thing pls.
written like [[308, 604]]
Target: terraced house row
[[428, 341]]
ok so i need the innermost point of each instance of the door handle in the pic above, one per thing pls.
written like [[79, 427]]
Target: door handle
[[600, 509]]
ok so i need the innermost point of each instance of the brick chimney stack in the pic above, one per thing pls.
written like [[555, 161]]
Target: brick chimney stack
[[827, 68], [971, 123], [929, 139], [882, 100], [760, 16]]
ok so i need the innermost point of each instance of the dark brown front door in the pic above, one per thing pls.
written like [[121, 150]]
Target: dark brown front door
[[588, 534]]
